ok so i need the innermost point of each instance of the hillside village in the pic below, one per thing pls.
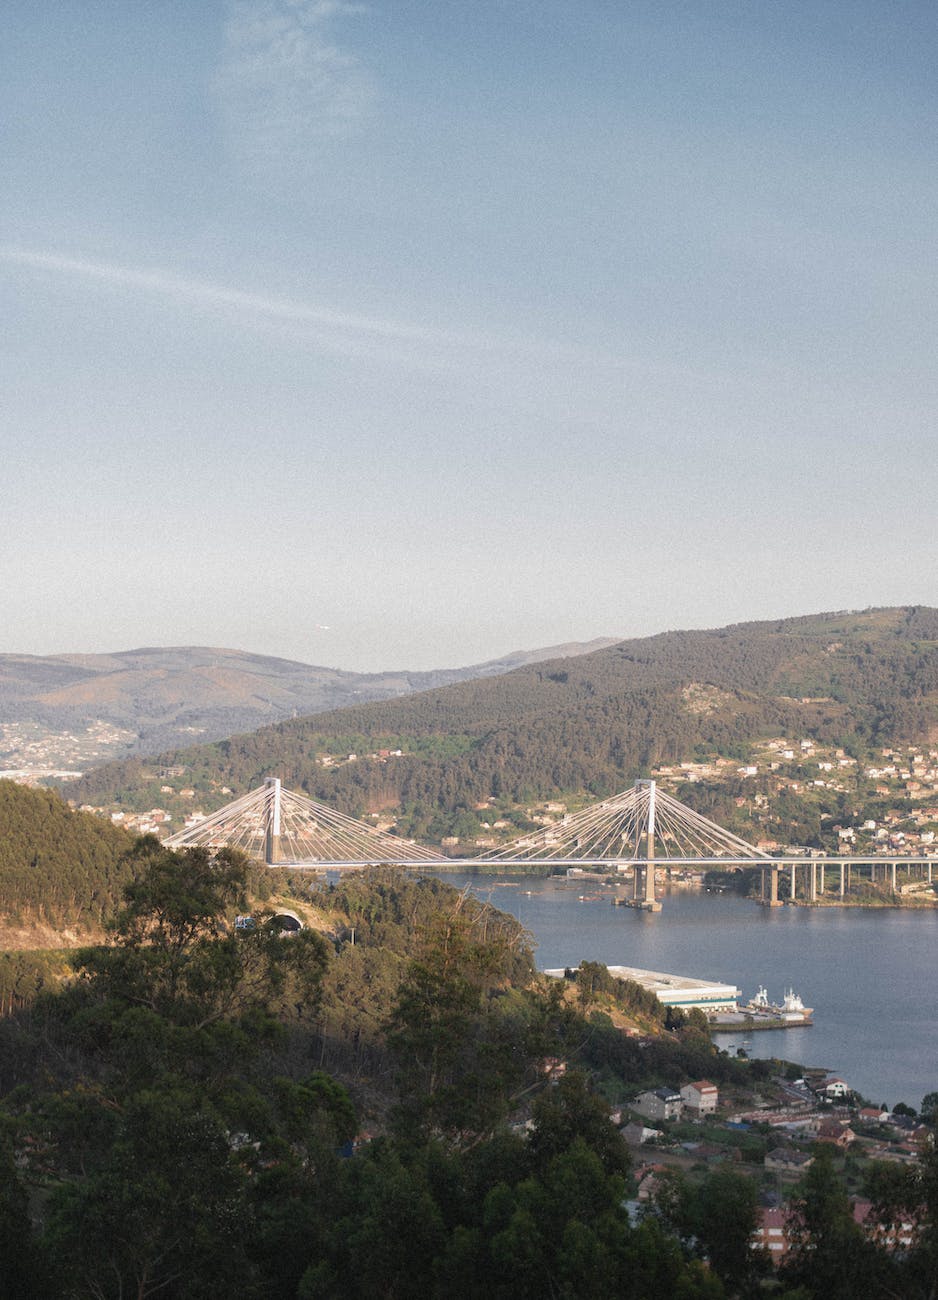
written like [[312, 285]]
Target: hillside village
[[34, 755], [908, 777], [772, 1135]]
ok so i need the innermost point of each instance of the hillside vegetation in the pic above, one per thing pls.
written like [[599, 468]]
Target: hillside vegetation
[[588, 725], [185, 1119], [57, 867], [167, 1125]]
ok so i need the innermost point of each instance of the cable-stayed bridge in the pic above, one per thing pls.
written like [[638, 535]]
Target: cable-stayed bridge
[[286, 829], [643, 828]]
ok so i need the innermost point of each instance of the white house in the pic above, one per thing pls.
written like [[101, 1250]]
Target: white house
[[702, 1097]]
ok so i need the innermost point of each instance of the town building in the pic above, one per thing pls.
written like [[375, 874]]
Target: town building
[[661, 1103], [701, 1098]]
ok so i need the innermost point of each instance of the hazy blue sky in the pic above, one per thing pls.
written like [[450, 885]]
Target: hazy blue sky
[[408, 333]]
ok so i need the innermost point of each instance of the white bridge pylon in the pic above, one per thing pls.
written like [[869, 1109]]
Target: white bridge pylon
[[283, 828], [641, 823]]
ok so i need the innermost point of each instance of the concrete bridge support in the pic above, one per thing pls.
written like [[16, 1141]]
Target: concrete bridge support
[[643, 887], [648, 899], [772, 900], [272, 823]]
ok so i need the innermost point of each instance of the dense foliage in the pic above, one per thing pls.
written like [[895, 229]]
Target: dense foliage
[[24, 975], [166, 1119], [57, 867], [167, 1128]]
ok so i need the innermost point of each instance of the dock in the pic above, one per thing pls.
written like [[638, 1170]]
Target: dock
[[682, 991]]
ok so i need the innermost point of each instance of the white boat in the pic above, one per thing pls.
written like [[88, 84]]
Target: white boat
[[791, 1009], [794, 1009]]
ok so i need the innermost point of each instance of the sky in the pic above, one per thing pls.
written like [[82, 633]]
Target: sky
[[405, 334]]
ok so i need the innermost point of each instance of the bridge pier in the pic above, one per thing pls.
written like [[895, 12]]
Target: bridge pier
[[791, 884], [272, 822], [648, 900], [842, 878], [643, 883], [773, 898]]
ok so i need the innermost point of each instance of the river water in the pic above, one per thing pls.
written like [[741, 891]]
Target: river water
[[870, 975]]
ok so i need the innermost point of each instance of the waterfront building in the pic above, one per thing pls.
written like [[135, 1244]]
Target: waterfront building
[[682, 991]]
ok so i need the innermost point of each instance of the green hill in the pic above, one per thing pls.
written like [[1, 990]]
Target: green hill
[[57, 867], [588, 725]]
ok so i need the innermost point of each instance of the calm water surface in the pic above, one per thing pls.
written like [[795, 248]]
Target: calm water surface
[[870, 975]]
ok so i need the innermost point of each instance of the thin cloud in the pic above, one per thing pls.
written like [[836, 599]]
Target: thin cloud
[[482, 357], [284, 86], [200, 292]]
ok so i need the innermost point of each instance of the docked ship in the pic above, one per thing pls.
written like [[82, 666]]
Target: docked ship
[[791, 1009], [760, 1013]]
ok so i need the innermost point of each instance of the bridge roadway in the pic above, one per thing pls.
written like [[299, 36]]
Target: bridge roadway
[[677, 863], [815, 884]]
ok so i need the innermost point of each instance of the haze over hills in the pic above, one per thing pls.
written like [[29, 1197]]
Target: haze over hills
[[145, 700], [589, 724]]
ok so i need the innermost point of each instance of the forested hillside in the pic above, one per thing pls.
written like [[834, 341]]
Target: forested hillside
[[57, 867], [212, 1111], [168, 1127], [587, 725]]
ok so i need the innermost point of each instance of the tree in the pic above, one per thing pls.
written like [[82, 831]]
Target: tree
[[165, 1214], [460, 1042], [568, 1111], [22, 1268], [176, 953], [155, 1129], [830, 1254], [725, 1216], [929, 1111]]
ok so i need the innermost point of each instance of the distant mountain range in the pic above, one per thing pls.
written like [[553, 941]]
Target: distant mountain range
[[78, 710], [589, 723]]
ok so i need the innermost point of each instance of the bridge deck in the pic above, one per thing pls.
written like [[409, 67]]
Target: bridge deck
[[506, 864]]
